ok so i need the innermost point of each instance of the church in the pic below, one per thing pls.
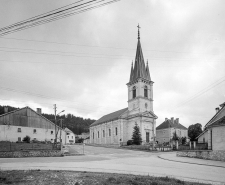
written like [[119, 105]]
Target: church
[[117, 127]]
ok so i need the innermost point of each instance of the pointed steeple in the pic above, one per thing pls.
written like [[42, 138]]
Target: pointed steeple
[[147, 73], [139, 70], [131, 72]]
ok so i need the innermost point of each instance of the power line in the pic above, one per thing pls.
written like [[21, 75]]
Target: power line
[[63, 53], [213, 85], [38, 16], [43, 96], [27, 24], [92, 46]]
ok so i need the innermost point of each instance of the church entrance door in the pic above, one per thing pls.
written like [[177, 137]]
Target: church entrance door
[[147, 137]]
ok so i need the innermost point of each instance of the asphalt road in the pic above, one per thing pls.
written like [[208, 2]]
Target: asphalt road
[[99, 159]]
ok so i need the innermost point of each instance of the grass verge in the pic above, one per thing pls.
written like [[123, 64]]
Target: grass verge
[[38, 177]]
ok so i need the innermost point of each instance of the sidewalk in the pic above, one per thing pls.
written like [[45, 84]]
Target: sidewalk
[[173, 157]]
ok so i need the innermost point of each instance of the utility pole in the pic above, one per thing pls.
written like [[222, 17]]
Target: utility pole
[[55, 123], [61, 130]]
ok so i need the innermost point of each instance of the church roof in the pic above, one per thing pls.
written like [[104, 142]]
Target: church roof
[[109, 117], [139, 70], [169, 124]]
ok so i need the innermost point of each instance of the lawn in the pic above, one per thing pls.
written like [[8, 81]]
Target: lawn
[[38, 177]]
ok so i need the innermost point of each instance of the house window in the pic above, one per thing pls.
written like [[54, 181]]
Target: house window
[[34, 131], [98, 134], [134, 92], [116, 131], [103, 132], [19, 139], [19, 130], [51, 132], [146, 92], [109, 132]]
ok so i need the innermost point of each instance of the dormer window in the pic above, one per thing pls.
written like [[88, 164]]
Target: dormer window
[[146, 92], [134, 92]]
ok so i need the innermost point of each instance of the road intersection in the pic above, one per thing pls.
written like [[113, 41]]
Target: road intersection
[[100, 159]]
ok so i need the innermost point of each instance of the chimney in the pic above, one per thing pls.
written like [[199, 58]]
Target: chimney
[[172, 120], [217, 109], [39, 110], [177, 120], [6, 109]]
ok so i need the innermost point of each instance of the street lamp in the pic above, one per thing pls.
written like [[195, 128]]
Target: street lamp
[[56, 123]]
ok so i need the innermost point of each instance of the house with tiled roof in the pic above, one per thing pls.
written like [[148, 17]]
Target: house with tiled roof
[[17, 124], [165, 131], [117, 126], [214, 132], [70, 136]]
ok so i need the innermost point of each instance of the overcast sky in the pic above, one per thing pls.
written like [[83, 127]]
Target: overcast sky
[[83, 64]]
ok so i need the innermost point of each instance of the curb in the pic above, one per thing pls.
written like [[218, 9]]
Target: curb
[[190, 162]]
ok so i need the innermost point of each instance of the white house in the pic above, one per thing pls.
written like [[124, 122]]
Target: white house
[[69, 137], [15, 125], [214, 133]]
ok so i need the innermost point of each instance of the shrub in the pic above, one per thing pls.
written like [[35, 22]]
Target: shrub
[[26, 139], [129, 142]]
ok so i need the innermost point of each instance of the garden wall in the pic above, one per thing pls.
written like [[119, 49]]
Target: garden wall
[[31, 153], [218, 155]]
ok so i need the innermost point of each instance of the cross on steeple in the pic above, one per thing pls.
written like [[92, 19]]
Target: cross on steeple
[[138, 31]]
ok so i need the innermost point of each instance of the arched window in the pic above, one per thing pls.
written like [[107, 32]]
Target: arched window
[[134, 92], [109, 132], [103, 133], [98, 134], [146, 92], [116, 131], [93, 135]]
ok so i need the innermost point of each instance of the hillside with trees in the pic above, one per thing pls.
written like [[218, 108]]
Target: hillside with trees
[[74, 123]]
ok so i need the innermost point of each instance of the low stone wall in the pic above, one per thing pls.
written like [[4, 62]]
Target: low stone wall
[[32, 153], [139, 147], [218, 155]]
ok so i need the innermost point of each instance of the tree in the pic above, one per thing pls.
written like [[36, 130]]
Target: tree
[[194, 131], [26, 139], [175, 137], [136, 137], [183, 140]]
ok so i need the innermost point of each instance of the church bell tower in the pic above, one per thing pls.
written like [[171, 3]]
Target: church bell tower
[[140, 86]]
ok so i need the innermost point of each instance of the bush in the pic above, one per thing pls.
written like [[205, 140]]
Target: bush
[[129, 142], [26, 139], [80, 140]]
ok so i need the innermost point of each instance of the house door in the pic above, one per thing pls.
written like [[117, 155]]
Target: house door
[[147, 137]]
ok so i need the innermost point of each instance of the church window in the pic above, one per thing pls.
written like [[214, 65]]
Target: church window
[[98, 134], [93, 135], [109, 132], [103, 132], [134, 92], [146, 92], [116, 131]]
